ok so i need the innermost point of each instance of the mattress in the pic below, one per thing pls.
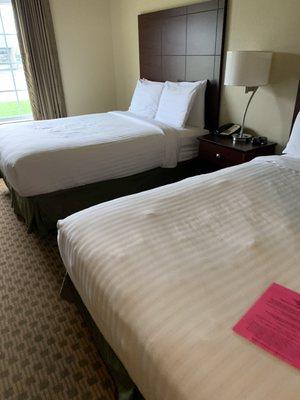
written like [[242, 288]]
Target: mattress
[[46, 156], [188, 143], [165, 274]]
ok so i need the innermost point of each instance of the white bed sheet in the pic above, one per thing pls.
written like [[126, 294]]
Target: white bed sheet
[[188, 142], [166, 274], [46, 156]]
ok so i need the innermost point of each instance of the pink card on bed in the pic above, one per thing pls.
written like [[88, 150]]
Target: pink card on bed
[[273, 323]]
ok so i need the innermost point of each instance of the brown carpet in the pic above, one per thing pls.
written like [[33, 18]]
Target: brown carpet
[[46, 350]]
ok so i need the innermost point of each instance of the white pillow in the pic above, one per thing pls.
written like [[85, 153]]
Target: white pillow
[[197, 114], [146, 97], [293, 146], [175, 103]]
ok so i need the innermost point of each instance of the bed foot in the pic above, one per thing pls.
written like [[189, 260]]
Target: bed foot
[[67, 290]]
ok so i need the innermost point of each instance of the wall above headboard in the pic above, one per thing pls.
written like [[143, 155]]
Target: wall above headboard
[[186, 44]]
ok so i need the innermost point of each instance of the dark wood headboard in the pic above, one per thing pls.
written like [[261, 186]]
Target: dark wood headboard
[[186, 44], [297, 106]]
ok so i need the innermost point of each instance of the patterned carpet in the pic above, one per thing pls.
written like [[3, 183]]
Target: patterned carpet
[[46, 350]]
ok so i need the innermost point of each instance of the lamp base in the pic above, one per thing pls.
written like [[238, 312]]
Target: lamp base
[[245, 137]]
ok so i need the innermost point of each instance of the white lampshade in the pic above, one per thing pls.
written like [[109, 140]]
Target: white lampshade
[[247, 68]]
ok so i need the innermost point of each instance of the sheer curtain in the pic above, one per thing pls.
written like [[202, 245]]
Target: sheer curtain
[[40, 59]]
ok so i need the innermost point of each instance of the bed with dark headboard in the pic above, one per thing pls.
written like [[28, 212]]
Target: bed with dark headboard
[[186, 44], [126, 388], [178, 44]]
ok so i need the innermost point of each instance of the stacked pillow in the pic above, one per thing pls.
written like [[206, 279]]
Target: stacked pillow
[[146, 97], [293, 146], [174, 103]]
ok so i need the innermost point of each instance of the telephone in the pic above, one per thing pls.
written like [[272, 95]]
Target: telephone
[[228, 129]]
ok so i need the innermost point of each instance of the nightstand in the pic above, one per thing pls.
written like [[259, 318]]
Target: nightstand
[[217, 151]]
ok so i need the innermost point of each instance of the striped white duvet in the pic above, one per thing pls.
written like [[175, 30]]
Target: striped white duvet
[[45, 156], [167, 273]]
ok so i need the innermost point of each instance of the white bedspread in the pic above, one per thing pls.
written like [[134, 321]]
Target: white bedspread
[[46, 156], [167, 273]]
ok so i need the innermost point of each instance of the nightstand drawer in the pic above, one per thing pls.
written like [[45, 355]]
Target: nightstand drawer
[[219, 155]]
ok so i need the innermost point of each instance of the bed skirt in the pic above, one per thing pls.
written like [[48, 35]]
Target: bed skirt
[[42, 212], [125, 387]]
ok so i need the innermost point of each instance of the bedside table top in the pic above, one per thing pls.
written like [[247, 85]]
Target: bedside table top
[[227, 141]]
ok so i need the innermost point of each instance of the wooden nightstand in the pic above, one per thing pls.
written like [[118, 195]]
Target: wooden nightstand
[[217, 151]]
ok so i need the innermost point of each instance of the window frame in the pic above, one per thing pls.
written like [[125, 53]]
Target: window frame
[[10, 68]]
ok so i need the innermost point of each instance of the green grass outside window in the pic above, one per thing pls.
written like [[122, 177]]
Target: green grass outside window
[[14, 109]]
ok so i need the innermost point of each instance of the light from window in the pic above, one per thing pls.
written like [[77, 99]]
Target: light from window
[[14, 99]]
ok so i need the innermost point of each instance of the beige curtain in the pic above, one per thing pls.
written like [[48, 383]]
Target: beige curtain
[[40, 58]]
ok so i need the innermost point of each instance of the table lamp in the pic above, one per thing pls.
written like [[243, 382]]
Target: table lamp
[[250, 69]]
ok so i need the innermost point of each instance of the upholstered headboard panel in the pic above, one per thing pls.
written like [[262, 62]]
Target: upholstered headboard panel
[[186, 44]]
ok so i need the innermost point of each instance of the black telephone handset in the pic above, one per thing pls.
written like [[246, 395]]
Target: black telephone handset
[[228, 129]]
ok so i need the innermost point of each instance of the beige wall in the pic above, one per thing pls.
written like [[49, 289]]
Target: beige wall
[[252, 25], [84, 41]]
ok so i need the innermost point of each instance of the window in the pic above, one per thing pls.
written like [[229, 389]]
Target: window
[[14, 99]]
